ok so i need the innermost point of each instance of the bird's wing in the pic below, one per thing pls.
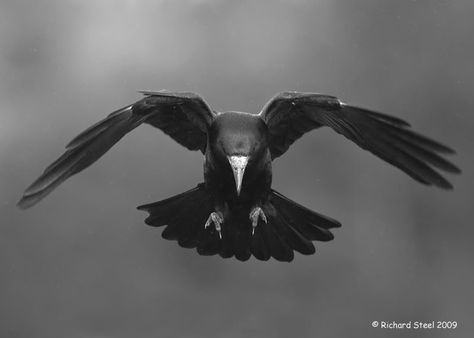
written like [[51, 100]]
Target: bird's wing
[[291, 114], [183, 116]]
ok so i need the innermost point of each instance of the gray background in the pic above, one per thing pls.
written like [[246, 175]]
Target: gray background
[[83, 264]]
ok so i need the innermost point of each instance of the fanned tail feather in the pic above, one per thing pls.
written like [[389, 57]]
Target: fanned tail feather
[[289, 227]]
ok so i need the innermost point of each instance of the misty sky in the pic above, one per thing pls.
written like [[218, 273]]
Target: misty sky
[[82, 263]]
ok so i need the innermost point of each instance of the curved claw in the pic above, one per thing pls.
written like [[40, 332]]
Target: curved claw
[[217, 219], [255, 214]]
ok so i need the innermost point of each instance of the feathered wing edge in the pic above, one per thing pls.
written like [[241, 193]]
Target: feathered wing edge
[[81, 152], [289, 115], [413, 153], [180, 114], [290, 227]]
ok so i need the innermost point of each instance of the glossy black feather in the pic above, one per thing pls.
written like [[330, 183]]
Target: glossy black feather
[[184, 216], [386, 136], [293, 237], [183, 116], [258, 246], [85, 150]]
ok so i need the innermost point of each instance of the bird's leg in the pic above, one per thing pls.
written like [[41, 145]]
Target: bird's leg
[[217, 218], [255, 214]]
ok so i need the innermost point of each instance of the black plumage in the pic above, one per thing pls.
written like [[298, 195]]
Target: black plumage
[[234, 212]]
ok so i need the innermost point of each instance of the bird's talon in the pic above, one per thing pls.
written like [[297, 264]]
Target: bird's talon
[[255, 215], [217, 220]]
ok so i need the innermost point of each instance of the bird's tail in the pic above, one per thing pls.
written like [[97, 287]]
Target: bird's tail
[[292, 226], [184, 214], [289, 227]]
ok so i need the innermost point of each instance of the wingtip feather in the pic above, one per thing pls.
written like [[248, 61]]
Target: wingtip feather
[[23, 204], [27, 201]]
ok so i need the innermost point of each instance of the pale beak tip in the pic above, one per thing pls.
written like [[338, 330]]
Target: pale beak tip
[[238, 164]]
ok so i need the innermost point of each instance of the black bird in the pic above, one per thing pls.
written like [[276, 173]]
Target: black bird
[[235, 212]]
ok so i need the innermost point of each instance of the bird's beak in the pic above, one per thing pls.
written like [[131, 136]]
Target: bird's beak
[[238, 164]]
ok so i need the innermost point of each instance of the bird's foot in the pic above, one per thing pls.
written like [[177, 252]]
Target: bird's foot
[[216, 218], [255, 214]]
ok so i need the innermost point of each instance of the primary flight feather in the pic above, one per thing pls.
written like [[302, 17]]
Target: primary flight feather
[[235, 212]]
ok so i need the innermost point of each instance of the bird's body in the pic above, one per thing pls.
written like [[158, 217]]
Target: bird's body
[[243, 134], [235, 212]]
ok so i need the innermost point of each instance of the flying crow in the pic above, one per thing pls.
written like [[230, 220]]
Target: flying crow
[[235, 212]]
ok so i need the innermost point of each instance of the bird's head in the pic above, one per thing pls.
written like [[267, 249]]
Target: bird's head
[[238, 140]]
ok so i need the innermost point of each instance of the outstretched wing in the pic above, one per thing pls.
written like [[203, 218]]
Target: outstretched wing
[[291, 114], [183, 116]]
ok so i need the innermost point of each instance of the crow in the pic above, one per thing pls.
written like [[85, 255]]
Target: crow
[[235, 212]]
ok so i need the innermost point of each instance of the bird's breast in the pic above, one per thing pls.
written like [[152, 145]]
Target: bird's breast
[[255, 186]]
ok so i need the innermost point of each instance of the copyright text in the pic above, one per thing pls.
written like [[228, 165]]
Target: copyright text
[[415, 325]]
